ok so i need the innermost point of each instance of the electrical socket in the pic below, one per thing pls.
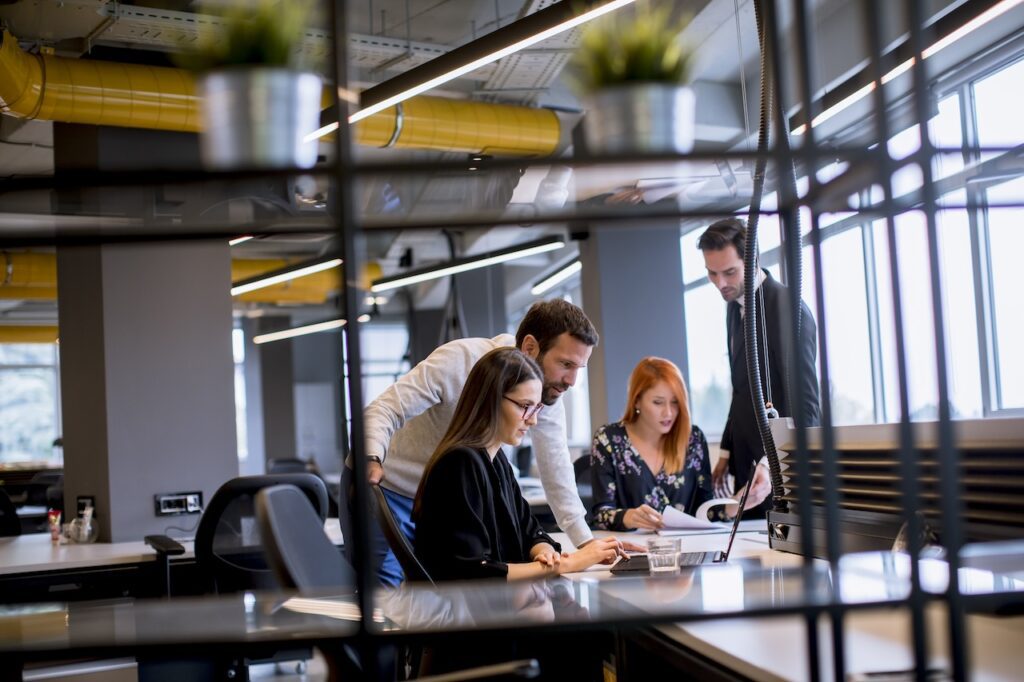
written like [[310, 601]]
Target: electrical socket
[[176, 504]]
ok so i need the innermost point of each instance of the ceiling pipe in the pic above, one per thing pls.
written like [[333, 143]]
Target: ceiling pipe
[[33, 276], [97, 92], [28, 334]]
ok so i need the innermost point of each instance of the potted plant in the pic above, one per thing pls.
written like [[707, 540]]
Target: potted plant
[[632, 80], [258, 104]]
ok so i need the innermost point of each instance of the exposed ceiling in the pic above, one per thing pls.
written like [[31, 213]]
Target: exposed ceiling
[[392, 36]]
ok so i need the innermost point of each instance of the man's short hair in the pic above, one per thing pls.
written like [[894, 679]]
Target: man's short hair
[[547, 320], [723, 233]]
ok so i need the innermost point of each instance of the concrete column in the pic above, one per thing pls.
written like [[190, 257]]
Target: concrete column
[[482, 293], [277, 390], [319, 409], [633, 293], [146, 378]]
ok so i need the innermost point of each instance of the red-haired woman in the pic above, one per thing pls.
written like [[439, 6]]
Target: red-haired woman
[[654, 458]]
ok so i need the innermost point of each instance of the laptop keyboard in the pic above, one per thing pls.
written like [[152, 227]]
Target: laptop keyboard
[[691, 558]]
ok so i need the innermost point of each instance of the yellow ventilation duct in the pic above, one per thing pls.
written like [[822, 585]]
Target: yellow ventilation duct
[[33, 276], [27, 334], [137, 96]]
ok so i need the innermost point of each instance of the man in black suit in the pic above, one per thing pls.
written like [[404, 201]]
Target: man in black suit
[[741, 450]]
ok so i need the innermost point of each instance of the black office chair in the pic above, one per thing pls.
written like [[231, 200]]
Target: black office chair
[[303, 558], [397, 541], [229, 546], [10, 524]]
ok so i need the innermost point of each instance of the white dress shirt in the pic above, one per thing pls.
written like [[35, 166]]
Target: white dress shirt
[[407, 421]]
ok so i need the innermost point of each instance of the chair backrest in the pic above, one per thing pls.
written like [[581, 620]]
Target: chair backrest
[[229, 546], [10, 524], [298, 551], [397, 541]]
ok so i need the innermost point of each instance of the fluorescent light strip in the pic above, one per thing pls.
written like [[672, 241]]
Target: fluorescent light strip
[[464, 267], [556, 278], [299, 331], [939, 45], [239, 240], [473, 65], [285, 276]]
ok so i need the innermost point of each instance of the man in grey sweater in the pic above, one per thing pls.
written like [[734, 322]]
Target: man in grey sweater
[[407, 421]]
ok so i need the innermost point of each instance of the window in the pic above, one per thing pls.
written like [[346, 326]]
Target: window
[[29, 403], [998, 101], [1006, 247], [710, 381], [241, 425], [384, 357]]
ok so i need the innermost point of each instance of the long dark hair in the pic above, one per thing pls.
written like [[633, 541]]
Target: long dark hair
[[477, 414]]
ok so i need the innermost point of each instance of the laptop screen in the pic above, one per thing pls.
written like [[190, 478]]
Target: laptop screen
[[739, 516]]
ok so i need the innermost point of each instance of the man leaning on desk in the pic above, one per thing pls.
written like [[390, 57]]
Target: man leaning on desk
[[407, 421]]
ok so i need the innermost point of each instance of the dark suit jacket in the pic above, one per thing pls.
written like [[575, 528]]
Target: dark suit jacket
[[741, 436]]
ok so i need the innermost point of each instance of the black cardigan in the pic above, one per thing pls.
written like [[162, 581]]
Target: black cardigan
[[473, 520]]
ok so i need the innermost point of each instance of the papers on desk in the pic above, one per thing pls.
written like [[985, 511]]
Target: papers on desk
[[676, 520]]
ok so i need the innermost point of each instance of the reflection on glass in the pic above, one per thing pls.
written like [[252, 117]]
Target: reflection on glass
[[722, 589]]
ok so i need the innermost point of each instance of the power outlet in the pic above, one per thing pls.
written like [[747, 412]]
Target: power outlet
[[175, 504]]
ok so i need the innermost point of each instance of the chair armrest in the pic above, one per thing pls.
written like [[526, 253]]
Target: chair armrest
[[164, 545]]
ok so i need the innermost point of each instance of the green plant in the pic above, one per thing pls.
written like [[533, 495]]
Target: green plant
[[264, 32], [644, 50]]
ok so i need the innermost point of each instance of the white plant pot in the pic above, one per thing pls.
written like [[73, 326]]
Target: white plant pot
[[645, 117], [258, 117]]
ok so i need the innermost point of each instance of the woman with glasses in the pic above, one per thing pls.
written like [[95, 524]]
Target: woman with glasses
[[653, 458], [471, 518]]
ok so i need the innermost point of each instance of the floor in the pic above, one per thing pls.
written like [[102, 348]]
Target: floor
[[316, 671]]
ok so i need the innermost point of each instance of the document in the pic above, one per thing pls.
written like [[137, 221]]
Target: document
[[680, 520]]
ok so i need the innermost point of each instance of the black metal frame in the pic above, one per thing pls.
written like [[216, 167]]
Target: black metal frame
[[875, 164]]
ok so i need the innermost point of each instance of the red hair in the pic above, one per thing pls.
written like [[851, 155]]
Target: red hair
[[645, 375]]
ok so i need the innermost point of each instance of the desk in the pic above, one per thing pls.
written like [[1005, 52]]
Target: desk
[[776, 648], [34, 569]]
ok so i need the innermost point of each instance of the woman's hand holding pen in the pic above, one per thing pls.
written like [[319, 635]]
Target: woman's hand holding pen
[[643, 516]]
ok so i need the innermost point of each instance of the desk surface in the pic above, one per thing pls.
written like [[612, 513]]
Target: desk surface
[[35, 553], [876, 640]]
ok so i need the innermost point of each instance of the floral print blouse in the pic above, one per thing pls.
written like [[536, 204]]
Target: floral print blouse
[[622, 480]]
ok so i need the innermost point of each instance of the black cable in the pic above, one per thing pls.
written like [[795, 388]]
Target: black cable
[[750, 276]]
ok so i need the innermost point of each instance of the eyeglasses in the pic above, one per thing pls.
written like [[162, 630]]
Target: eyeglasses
[[528, 410]]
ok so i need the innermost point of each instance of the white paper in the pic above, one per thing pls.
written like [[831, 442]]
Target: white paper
[[680, 520]]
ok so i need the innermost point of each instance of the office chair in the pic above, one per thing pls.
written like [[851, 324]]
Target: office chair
[[399, 544], [10, 524], [229, 550], [229, 547], [581, 468], [303, 558]]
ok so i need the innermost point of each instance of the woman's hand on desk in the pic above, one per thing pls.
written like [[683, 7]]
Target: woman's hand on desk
[[597, 551], [545, 555], [643, 516]]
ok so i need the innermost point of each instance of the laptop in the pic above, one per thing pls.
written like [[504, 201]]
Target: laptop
[[639, 564]]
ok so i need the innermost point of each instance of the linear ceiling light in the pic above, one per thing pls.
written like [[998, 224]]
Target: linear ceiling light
[[530, 30], [458, 265], [239, 240], [936, 47], [298, 331], [269, 279], [557, 277]]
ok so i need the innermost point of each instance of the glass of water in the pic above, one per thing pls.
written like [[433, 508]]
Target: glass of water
[[663, 554]]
